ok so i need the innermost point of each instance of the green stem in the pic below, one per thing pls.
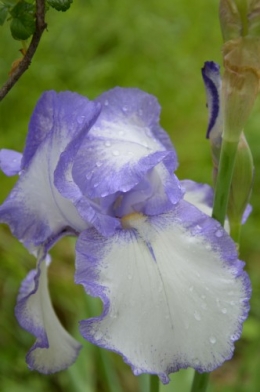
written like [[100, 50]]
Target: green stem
[[225, 172], [154, 383], [200, 382]]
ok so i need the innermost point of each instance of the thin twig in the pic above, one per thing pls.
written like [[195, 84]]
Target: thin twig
[[40, 26]]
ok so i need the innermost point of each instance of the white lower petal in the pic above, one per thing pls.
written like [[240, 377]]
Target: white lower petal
[[171, 299], [54, 348]]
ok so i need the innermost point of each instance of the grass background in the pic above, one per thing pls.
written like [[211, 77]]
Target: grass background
[[159, 47]]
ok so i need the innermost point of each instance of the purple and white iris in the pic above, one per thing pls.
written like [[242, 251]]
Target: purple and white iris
[[174, 292]]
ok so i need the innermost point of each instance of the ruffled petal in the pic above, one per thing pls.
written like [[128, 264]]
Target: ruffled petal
[[212, 81], [35, 210], [121, 106], [124, 139], [10, 162], [174, 293], [64, 114], [54, 349]]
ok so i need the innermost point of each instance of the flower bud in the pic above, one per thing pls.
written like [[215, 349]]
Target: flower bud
[[242, 182]]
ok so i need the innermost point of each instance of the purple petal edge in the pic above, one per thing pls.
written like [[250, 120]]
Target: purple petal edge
[[196, 223], [210, 71]]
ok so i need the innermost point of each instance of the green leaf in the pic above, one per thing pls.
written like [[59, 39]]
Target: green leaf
[[21, 9], [60, 5], [3, 15], [22, 28]]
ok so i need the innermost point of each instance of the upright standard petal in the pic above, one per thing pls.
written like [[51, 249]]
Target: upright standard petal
[[174, 293], [35, 210], [54, 349]]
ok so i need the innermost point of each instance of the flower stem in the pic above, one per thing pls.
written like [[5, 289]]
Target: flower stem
[[225, 172], [200, 382], [154, 383]]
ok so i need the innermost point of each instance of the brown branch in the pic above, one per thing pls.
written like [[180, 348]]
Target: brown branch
[[40, 26]]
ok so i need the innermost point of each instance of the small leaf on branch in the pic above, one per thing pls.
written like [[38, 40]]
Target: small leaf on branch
[[3, 14], [22, 28], [60, 5], [22, 8]]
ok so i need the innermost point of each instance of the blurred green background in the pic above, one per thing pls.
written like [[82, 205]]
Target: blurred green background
[[160, 47]]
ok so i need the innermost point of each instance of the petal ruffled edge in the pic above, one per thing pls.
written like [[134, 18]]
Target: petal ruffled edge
[[100, 278]]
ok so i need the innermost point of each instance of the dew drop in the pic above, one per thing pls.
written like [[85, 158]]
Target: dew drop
[[80, 119], [129, 277], [203, 296], [219, 233], [212, 340], [124, 108], [130, 153], [140, 112], [234, 337], [98, 335], [224, 310], [191, 288], [89, 175], [197, 316], [121, 133], [96, 184], [106, 102], [232, 303], [198, 275], [196, 361], [107, 144], [98, 164], [115, 153]]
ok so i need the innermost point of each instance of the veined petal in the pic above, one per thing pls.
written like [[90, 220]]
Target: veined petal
[[64, 114], [54, 349], [35, 210], [174, 293], [122, 107], [212, 81], [10, 162]]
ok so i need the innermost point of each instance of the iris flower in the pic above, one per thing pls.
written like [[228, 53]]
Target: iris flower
[[174, 292]]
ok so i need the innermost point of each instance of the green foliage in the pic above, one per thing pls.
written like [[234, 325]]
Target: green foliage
[[60, 5], [3, 13], [22, 15]]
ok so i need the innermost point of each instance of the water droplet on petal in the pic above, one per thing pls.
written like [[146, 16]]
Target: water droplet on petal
[[107, 144], [115, 153], [121, 133], [96, 184], [191, 288], [212, 340], [224, 310], [197, 316], [80, 119], [219, 233], [98, 164], [89, 175], [98, 335], [130, 153], [129, 277], [148, 132], [106, 102], [203, 296], [196, 361], [232, 303], [124, 108], [234, 337]]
